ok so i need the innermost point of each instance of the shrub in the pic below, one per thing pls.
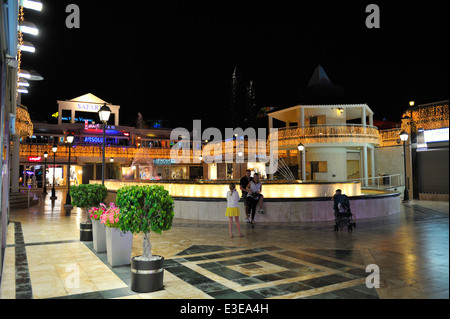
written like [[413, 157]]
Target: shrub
[[88, 195], [144, 209]]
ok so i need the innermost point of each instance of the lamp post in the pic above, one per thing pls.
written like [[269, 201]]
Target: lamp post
[[111, 160], [301, 148], [54, 149], [45, 174], [404, 137], [69, 140], [104, 114]]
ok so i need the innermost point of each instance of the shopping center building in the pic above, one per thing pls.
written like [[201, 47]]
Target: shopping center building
[[340, 143], [131, 153]]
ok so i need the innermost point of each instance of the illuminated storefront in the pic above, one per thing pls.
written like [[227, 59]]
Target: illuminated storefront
[[163, 169], [131, 153]]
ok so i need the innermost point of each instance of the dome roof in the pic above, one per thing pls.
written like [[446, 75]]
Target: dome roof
[[320, 90]]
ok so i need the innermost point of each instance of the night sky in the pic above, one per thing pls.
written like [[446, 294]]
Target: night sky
[[174, 60]]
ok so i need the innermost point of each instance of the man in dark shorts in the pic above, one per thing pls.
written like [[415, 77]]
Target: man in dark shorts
[[243, 184]]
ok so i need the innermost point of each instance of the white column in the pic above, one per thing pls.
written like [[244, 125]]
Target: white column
[[372, 164], [116, 119], [15, 163], [302, 116], [59, 115], [365, 174], [409, 171], [304, 164], [363, 116]]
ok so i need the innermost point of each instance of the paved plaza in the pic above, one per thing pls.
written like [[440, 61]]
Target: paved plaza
[[275, 261]]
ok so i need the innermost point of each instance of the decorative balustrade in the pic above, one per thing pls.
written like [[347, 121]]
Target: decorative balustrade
[[321, 134]]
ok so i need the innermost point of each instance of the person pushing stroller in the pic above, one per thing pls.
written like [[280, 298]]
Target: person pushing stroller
[[341, 203], [342, 211]]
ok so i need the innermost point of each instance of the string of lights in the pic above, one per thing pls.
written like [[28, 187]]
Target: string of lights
[[24, 126], [428, 117], [19, 51], [320, 134]]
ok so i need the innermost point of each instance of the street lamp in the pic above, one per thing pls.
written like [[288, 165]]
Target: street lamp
[[104, 114], [404, 137], [54, 149], [301, 149], [111, 160], [70, 137], [45, 174]]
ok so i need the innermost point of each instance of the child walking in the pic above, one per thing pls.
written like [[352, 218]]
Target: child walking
[[233, 209]]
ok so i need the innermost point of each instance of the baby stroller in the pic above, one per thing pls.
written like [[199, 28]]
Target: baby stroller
[[344, 217]]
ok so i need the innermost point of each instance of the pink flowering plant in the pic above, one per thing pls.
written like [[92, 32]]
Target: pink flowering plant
[[96, 212], [110, 217]]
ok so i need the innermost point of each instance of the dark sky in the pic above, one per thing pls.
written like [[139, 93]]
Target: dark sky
[[174, 60]]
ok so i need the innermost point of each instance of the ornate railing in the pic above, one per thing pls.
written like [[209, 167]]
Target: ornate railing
[[318, 134]]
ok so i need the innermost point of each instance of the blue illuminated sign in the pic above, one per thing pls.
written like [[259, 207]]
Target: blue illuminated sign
[[96, 140]]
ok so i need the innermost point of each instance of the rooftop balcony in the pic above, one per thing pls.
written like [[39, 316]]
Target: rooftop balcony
[[352, 134]]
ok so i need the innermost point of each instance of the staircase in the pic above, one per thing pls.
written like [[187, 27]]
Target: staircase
[[353, 176], [20, 200]]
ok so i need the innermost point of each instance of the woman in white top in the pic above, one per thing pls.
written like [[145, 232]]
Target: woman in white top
[[233, 210]]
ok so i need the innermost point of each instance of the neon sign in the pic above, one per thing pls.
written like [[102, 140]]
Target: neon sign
[[89, 139], [36, 159], [88, 126]]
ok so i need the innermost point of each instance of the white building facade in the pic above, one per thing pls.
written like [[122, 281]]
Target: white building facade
[[339, 141]]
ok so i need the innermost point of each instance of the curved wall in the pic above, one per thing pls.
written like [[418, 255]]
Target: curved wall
[[294, 210], [286, 210], [269, 189]]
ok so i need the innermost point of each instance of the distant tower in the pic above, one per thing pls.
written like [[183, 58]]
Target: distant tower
[[320, 90], [243, 102]]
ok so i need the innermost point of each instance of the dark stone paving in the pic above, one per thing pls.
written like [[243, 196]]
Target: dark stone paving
[[411, 249]]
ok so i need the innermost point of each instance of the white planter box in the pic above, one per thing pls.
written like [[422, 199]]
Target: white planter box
[[118, 247], [99, 236]]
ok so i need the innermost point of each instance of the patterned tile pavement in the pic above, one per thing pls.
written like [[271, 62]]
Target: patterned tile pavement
[[272, 261]]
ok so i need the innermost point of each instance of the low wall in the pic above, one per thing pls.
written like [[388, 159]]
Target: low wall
[[219, 189], [283, 210]]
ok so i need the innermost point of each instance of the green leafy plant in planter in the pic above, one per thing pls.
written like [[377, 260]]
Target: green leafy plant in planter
[[87, 196], [145, 209]]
